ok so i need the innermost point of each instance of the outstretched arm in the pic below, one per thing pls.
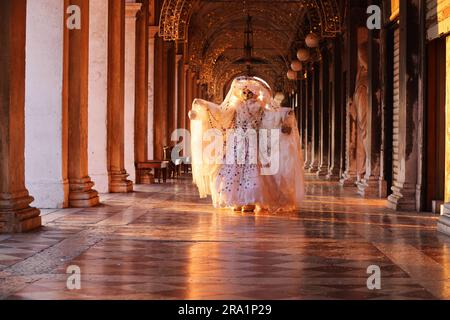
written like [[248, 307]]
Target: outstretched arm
[[197, 107], [201, 107]]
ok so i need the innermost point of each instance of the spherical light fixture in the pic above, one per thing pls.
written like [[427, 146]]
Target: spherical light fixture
[[296, 66], [292, 75], [312, 40], [303, 54]]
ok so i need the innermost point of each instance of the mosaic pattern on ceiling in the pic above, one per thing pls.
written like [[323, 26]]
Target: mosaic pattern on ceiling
[[214, 30]]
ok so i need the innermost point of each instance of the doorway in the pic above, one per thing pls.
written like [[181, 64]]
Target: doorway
[[435, 125]]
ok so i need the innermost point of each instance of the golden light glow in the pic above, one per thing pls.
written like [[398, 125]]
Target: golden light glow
[[447, 125], [261, 95], [395, 9], [438, 20]]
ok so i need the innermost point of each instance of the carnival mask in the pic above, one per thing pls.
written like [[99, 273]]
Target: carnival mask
[[247, 94]]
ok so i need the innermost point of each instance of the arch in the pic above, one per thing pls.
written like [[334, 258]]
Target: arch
[[175, 14]]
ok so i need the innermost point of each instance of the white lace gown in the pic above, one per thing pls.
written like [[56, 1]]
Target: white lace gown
[[242, 182], [238, 179]]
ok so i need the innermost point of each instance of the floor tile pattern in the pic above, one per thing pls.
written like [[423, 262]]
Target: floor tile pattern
[[163, 242]]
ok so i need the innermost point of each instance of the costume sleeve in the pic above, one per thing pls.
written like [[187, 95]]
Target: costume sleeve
[[291, 175], [201, 171]]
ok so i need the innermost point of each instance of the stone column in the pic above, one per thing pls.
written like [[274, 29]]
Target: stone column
[[315, 114], [16, 215], [188, 94], [371, 185], [142, 83], [171, 91], [152, 33], [324, 107], [196, 86], [444, 221], [303, 111], [348, 178], [176, 107], [193, 83], [406, 190], [182, 113], [98, 94], [131, 66], [76, 77], [308, 118], [45, 145], [116, 98], [336, 123], [160, 99], [298, 106]]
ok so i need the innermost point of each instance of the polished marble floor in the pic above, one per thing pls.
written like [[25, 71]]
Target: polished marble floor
[[162, 242]]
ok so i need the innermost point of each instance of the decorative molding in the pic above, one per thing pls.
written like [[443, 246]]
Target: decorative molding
[[175, 16], [153, 31], [132, 9]]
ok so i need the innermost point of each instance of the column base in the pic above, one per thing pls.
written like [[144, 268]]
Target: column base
[[307, 165], [333, 174], [81, 193], [118, 183], [370, 187], [443, 224], [322, 171], [348, 180], [16, 215], [402, 199], [313, 168]]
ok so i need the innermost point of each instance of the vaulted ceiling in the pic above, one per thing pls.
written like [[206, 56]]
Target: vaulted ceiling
[[214, 31]]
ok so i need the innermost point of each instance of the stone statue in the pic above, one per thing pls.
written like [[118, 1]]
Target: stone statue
[[361, 101]]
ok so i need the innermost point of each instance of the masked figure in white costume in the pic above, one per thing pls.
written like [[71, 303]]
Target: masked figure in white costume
[[246, 152]]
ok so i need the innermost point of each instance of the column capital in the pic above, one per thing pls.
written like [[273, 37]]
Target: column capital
[[153, 31], [132, 9]]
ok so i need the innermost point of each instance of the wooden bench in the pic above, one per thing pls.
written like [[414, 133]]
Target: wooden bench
[[159, 167]]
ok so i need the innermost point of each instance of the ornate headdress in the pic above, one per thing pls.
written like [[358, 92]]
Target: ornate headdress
[[244, 88]]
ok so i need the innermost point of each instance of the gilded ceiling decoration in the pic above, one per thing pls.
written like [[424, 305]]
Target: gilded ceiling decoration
[[214, 30]]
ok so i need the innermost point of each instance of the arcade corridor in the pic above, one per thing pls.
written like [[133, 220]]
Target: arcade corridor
[[162, 243], [93, 95]]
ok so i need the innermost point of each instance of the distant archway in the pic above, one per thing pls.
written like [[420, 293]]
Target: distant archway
[[175, 15]]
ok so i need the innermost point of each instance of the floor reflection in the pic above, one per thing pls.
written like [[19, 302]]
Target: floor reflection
[[162, 242]]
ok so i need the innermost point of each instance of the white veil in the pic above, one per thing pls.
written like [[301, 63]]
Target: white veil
[[212, 116], [288, 182]]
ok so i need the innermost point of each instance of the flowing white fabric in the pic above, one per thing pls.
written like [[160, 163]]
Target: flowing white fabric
[[235, 173]]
